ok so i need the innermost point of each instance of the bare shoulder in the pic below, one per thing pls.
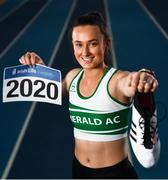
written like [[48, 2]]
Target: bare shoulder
[[71, 74], [114, 84], [118, 75], [68, 79]]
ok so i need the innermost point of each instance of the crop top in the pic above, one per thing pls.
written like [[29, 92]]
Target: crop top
[[99, 117]]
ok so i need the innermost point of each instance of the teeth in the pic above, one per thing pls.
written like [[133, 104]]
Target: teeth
[[87, 59]]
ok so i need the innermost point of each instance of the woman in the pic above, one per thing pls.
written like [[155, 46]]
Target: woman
[[100, 102]]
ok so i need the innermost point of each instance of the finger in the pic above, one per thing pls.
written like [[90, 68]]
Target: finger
[[148, 85], [27, 58], [145, 82], [129, 80], [145, 85], [135, 79], [33, 58], [36, 59], [154, 85], [143, 77], [22, 60], [140, 88], [39, 60]]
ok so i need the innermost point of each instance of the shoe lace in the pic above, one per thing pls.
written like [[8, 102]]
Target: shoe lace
[[148, 131], [149, 127]]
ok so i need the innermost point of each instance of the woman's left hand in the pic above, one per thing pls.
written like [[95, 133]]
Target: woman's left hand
[[142, 82]]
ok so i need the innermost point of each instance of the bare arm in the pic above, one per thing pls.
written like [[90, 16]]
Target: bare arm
[[142, 82], [125, 84], [31, 58], [68, 79]]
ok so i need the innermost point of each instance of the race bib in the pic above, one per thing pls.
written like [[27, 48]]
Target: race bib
[[26, 83]]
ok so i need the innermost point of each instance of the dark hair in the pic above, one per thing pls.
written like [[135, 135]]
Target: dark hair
[[96, 19]]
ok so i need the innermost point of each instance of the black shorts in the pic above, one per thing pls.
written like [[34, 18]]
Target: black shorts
[[122, 170]]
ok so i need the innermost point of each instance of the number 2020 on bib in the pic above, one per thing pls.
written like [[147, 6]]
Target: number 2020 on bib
[[26, 83]]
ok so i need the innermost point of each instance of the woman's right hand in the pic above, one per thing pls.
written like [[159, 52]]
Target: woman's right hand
[[31, 58]]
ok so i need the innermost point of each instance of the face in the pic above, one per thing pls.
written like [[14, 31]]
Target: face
[[88, 45]]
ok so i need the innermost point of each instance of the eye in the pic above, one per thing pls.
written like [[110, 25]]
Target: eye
[[78, 45], [93, 44]]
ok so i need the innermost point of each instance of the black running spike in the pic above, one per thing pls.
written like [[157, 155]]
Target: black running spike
[[145, 105]]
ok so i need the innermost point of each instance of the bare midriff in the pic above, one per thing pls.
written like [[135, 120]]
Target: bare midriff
[[100, 154]]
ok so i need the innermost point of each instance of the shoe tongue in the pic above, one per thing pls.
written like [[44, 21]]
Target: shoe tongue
[[145, 104]]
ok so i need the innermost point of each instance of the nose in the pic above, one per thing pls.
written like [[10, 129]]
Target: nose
[[85, 51]]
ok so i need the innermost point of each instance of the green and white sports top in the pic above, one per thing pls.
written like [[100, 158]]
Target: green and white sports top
[[99, 117]]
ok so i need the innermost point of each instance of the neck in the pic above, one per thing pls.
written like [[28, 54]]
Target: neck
[[95, 73]]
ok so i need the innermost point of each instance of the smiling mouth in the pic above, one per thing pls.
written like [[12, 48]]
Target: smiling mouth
[[87, 60]]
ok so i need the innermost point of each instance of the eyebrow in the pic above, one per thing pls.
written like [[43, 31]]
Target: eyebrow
[[77, 41]]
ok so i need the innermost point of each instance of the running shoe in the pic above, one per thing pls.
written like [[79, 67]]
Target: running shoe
[[144, 135]]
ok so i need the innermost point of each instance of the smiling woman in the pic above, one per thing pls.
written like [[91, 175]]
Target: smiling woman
[[100, 99], [88, 45], [100, 36]]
